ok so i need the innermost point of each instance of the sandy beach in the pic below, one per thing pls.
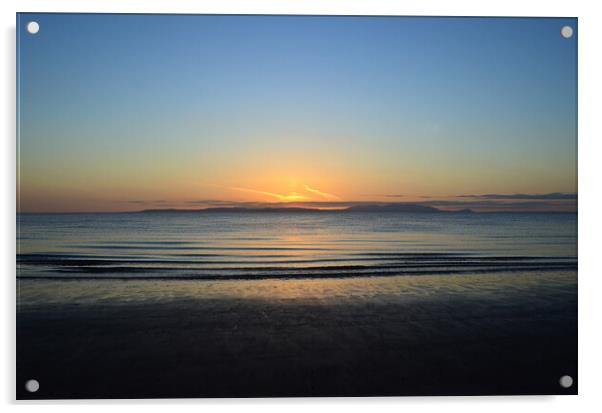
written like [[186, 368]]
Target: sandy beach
[[480, 334]]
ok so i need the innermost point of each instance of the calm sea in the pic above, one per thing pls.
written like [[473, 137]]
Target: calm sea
[[290, 245]]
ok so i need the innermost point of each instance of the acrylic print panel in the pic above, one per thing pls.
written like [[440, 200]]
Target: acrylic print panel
[[267, 206]]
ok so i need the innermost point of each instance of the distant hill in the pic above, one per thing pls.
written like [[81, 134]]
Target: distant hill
[[365, 208], [463, 211], [239, 210], [411, 208]]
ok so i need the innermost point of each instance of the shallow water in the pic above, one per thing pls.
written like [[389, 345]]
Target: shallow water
[[291, 245]]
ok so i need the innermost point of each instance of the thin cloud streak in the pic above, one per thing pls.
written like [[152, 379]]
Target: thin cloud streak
[[293, 196], [324, 195]]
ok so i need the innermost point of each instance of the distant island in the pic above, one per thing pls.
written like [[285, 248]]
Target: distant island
[[384, 208]]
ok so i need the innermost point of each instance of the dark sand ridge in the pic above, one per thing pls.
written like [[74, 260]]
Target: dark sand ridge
[[464, 334]]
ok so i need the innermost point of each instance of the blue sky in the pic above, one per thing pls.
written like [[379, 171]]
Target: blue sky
[[182, 107]]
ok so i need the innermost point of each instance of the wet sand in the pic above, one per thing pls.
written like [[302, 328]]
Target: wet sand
[[480, 334]]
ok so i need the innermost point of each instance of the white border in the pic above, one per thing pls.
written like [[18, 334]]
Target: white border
[[590, 67]]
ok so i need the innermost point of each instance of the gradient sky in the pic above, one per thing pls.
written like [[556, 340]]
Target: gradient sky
[[126, 112]]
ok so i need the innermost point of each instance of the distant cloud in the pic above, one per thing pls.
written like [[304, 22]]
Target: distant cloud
[[212, 202], [140, 202], [552, 195], [293, 196], [324, 195], [394, 195]]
